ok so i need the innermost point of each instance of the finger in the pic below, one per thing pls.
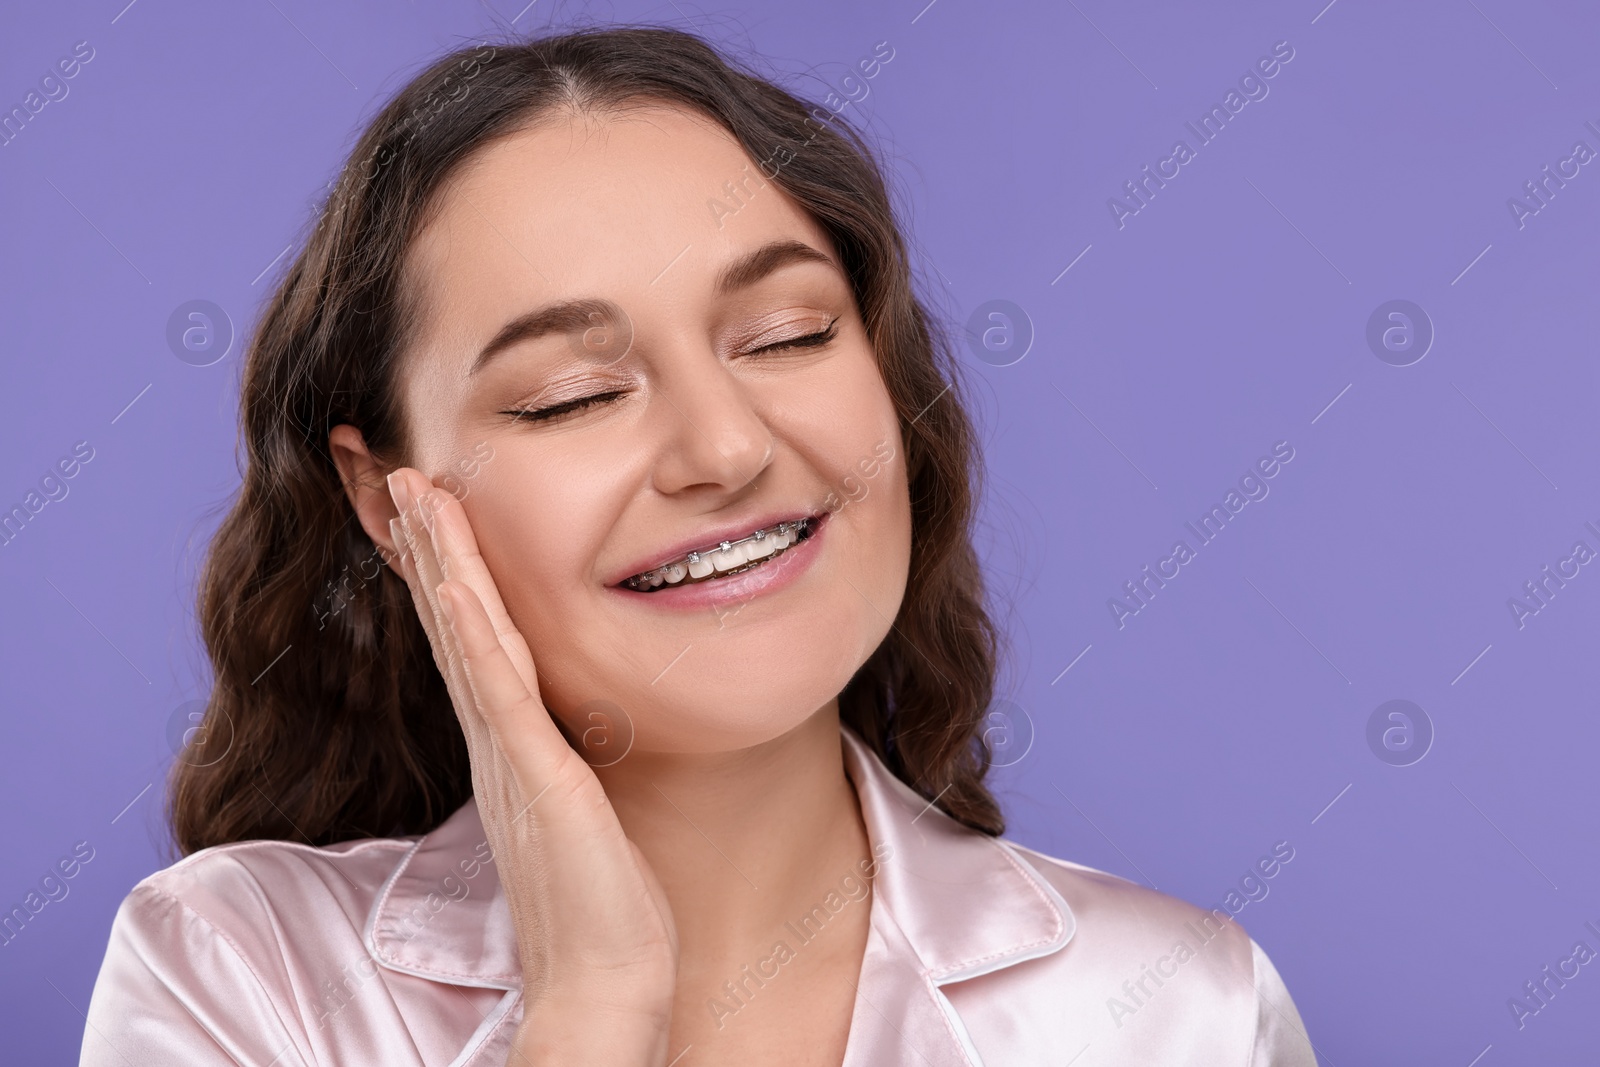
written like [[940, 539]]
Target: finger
[[419, 599], [421, 578], [459, 560], [425, 563], [418, 575], [521, 725]]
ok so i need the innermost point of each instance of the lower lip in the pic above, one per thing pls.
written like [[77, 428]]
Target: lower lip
[[778, 572]]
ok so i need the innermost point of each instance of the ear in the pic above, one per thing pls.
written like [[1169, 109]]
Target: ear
[[366, 485]]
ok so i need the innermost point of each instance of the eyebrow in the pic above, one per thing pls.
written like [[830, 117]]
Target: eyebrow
[[567, 316]]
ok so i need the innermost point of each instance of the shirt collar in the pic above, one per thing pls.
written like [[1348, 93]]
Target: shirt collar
[[960, 903], [965, 902], [443, 914]]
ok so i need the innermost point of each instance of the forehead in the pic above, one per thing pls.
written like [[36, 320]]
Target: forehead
[[620, 204]]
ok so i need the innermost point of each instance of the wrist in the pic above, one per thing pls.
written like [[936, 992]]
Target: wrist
[[599, 1029]]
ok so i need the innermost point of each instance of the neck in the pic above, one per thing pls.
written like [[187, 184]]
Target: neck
[[743, 841]]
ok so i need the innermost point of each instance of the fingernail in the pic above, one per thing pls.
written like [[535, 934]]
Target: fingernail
[[397, 534], [399, 491]]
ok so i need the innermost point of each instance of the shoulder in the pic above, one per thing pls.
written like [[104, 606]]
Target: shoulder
[[260, 903], [1182, 969], [249, 879], [228, 952], [1115, 914]]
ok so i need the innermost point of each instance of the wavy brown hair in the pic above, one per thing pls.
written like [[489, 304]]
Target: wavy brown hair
[[328, 719]]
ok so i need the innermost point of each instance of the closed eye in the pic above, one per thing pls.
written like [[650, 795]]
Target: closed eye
[[555, 411], [810, 340]]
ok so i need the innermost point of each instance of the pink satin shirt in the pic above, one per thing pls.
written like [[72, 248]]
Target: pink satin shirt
[[400, 952]]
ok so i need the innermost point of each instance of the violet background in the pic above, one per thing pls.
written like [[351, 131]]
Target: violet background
[[1226, 316]]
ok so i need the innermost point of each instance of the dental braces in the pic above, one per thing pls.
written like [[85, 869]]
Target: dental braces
[[801, 529]]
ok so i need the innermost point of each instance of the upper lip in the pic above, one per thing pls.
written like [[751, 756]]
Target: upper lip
[[709, 538]]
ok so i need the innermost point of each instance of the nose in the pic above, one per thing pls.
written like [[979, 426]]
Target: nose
[[718, 438]]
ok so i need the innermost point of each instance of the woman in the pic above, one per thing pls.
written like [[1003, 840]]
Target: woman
[[602, 379]]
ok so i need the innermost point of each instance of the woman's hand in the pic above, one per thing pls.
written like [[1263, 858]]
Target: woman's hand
[[596, 938]]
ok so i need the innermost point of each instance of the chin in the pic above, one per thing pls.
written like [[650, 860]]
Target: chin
[[729, 690]]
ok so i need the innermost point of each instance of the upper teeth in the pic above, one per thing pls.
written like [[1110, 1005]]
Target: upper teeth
[[727, 556]]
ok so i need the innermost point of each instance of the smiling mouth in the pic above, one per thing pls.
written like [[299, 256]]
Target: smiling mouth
[[725, 559]]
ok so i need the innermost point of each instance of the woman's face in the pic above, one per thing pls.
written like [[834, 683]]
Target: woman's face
[[688, 401]]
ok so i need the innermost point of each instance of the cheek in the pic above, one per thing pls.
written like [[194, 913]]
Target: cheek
[[858, 449], [541, 519], [860, 452], [535, 535], [884, 511], [843, 421]]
